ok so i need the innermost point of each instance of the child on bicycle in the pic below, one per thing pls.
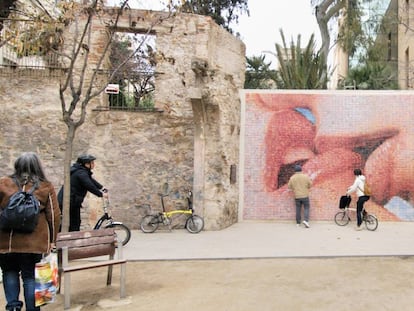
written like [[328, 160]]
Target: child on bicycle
[[358, 188]]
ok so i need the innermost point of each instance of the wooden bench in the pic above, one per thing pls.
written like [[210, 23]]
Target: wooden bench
[[88, 244]]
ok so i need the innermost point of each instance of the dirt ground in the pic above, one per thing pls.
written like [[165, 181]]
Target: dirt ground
[[320, 284]]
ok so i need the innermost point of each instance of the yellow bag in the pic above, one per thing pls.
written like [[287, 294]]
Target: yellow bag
[[367, 189]]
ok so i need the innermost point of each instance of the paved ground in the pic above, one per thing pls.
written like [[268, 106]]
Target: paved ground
[[274, 240], [258, 266]]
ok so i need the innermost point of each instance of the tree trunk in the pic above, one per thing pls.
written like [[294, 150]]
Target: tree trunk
[[70, 135]]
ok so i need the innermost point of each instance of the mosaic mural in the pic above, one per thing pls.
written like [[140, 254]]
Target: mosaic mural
[[329, 134]]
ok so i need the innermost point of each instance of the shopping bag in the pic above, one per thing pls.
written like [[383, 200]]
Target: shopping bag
[[46, 280], [344, 201]]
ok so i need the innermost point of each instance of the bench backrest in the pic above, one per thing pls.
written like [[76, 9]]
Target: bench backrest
[[85, 244]]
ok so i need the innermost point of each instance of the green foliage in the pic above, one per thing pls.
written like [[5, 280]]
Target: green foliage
[[147, 102], [351, 34], [300, 68], [223, 12], [258, 73], [127, 101], [371, 66], [372, 76]]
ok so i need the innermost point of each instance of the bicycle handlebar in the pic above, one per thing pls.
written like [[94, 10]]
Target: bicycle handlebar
[[105, 203]]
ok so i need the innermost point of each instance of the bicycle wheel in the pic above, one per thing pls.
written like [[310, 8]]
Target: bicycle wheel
[[342, 218], [371, 222], [149, 223], [194, 224], [122, 232]]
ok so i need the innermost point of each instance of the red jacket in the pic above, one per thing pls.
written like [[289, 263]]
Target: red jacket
[[47, 228]]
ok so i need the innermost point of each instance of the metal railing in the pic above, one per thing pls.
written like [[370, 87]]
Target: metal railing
[[18, 57]]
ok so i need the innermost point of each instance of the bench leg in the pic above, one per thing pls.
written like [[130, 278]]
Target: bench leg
[[66, 293], [122, 281], [109, 277]]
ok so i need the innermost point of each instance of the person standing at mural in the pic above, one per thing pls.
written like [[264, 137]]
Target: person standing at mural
[[81, 181], [358, 188], [300, 184]]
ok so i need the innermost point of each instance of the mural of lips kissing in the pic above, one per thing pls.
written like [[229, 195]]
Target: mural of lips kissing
[[330, 134], [389, 168], [289, 140], [331, 174]]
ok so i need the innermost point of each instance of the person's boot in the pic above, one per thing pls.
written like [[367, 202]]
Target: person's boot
[[15, 308]]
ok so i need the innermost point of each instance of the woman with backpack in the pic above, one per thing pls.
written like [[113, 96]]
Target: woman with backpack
[[358, 187], [20, 251]]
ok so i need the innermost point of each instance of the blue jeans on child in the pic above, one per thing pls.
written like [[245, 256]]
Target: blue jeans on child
[[12, 264]]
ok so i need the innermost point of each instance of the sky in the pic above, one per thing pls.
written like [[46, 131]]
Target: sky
[[260, 30]]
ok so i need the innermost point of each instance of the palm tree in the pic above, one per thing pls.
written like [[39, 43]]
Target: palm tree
[[372, 76], [300, 68], [258, 73]]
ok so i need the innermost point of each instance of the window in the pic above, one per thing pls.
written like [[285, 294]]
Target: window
[[132, 67]]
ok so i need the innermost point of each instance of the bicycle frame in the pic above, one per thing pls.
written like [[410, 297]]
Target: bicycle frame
[[350, 209], [105, 216], [171, 213], [193, 223], [188, 211], [120, 228], [168, 214], [354, 210]]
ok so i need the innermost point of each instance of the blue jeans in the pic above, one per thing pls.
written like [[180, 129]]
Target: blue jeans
[[299, 203], [12, 265]]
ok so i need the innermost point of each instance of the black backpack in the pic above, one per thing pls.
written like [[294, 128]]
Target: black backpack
[[22, 211]]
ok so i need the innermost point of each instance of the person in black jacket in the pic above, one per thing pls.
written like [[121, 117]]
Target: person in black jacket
[[81, 181]]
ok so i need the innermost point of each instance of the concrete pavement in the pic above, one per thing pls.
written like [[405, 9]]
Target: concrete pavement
[[260, 239]]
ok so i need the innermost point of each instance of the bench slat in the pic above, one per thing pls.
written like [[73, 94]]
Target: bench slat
[[85, 241], [85, 234], [91, 265], [90, 251]]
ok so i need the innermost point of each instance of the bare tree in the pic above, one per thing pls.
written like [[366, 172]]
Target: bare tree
[[80, 84], [325, 12]]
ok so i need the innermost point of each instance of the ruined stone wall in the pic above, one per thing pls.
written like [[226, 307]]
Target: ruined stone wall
[[209, 81], [138, 152]]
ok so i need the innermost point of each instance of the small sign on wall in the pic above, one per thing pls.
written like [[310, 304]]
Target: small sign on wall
[[112, 89]]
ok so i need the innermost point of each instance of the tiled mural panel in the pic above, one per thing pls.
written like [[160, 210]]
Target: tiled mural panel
[[330, 134]]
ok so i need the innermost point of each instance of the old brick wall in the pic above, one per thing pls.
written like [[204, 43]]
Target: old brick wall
[[138, 152]]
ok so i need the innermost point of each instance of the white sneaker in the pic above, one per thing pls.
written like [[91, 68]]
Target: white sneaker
[[297, 225], [306, 224]]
